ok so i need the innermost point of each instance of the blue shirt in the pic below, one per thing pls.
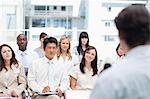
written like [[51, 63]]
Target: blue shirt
[[129, 79]]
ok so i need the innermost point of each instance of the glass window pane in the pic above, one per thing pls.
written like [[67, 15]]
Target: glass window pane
[[11, 21], [38, 22], [39, 7]]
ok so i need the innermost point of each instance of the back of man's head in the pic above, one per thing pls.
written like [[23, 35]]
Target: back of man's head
[[133, 24]]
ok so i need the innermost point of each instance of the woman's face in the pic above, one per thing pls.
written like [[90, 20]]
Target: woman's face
[[64, 44], [6, 53], [90, 55], [84, 41]]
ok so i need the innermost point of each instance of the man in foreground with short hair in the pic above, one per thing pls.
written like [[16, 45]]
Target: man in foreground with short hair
[[130, 77]]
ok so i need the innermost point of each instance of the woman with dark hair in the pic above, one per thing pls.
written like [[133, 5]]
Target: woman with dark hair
[[83, 76], [39, 51], [13, 80], [83, 44]]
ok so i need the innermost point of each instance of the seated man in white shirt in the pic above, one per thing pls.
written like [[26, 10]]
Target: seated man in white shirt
[[24, 55], [47, 74]]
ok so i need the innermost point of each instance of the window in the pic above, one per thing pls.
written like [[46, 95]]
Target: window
[[56, 23], [63, 8], [55, 8], [48, 8], [63, 23], [38, 22], [69, 24], [109, 38], [40, 8], [11, 21]]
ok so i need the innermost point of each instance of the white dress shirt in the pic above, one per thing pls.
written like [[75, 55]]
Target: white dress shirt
[[69, 63], [38, 52], [75, 52], [25, 57], [129, 79], [84, 81], [44, 72]]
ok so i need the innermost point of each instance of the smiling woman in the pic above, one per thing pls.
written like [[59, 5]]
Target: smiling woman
[[83, 76], [64, 55]]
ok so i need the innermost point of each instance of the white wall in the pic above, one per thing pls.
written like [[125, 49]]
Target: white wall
[[97, 30]]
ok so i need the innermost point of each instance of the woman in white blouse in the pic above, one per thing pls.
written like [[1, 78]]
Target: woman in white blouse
[[64, 55], [82, 45], [12, 74], [83, 76]]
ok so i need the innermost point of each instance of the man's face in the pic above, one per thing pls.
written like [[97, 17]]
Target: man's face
[[22, 42], [50, 50]]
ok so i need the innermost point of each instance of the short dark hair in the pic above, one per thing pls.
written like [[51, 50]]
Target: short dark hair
[[42, 35], [133, 24], [20, 35], [49, 40]]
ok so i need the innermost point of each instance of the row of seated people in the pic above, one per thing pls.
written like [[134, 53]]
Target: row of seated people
[[26, 56], [45, 70], [50, 73]]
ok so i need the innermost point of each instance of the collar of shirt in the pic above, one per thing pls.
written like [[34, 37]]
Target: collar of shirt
[[64, 59], [139, 51], [53, 61], [87, 71], [23, 52]]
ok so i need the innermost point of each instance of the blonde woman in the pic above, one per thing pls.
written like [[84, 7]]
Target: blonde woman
[[64, 54]]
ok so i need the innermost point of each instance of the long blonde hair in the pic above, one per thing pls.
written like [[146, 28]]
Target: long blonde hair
[[59, 51]]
